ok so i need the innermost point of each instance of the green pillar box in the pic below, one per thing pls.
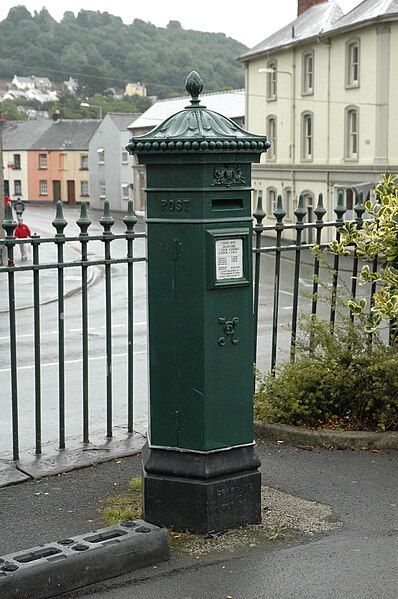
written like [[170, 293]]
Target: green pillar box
[[200, 468]]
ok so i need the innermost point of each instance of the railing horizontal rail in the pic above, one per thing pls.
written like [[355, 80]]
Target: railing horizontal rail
[[55, 240], [71, 264]]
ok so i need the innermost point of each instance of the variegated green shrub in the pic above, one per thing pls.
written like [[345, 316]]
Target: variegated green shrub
[[377, 237]]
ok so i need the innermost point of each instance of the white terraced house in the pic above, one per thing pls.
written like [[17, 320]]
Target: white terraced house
[[323, 88]]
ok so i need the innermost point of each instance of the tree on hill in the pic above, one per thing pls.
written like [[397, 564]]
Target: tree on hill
[[100, 51]]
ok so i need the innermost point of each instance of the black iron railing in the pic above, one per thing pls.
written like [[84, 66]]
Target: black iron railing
[[269, 241], [60, 265]]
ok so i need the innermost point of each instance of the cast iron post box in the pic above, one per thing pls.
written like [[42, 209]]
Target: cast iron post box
[[200, 468]]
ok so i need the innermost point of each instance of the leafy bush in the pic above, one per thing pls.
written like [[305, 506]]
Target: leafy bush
[[343, 382], [378, 237]]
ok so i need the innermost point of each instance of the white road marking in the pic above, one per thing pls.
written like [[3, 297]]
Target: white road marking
[[124, 324], [30, 366]]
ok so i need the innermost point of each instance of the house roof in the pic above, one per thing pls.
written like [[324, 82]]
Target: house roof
[[229, 103], [20, 135], [322, 20], [44, 134], [122, 120], [309, 24], [24, 79], [68, 134], [366, 11]]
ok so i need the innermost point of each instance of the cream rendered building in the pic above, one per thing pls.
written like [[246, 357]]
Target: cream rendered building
[[322, 89]]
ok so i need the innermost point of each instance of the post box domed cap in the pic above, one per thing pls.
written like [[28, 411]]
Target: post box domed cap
[[197, 129]]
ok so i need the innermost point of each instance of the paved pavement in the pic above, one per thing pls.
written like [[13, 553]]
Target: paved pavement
[[357, 562]]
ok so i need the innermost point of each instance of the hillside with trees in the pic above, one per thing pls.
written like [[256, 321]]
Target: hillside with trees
[[101, 51]]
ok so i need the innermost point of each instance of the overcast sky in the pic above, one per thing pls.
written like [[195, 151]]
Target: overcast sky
[[250, 23]]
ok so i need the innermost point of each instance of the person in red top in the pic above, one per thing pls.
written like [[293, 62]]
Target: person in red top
[[6, 201], [22, 231]]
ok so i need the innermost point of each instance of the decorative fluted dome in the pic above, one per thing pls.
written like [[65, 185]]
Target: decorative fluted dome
[[196, 129]]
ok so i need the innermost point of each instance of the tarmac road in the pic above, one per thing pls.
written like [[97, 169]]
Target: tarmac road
[[357, 562]]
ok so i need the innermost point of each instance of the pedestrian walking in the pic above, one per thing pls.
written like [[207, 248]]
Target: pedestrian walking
[[19, 208], [22, 231]]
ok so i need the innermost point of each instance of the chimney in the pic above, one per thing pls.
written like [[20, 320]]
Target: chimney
[[56, 115], [303, 5]]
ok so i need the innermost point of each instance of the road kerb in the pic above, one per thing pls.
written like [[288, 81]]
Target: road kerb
[[295, 435]]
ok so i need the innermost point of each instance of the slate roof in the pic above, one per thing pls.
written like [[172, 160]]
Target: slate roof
[[310, 24], [21, 135], [44, 134], [369, 10], [229, 103], [122, 120]]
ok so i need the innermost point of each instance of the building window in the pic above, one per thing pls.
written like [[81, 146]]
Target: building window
[[271, 134], [42, 160], [101, 156], [271, 80], [307, 136], [43, 188], [125, 191], [84, 188], [102, 190], [351, 127], [271, 201], [84, 162], [125, 157], [17, 187], [308, 72], [287, 202], [17, 162], [352, 63]]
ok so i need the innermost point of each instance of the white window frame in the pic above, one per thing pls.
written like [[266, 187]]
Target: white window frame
[[102, 187], [271, 135], [307, 138], [101, 155], [84, 185], [125, 191], [17, 159], [352, 78], [17, 186], [83, 162], [288, 202], [42, 161], [351, 133], [307, 88], [272, 196], [272, 82], [43, 187]]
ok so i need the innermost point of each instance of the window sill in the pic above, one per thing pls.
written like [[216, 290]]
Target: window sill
[[43, 168], [352, 86], [83, 169], [84, 195], [351, 159], [100, 163], [307, 93], [273, 99], [306, 159]]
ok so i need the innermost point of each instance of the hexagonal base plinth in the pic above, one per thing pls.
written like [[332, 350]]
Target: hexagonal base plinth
[[201, 505]]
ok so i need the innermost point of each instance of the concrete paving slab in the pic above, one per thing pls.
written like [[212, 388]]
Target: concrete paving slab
[[54, 461], [10, 475]]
